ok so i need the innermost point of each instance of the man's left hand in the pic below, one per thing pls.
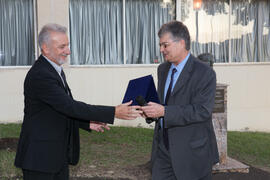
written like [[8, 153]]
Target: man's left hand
[[153, 110]]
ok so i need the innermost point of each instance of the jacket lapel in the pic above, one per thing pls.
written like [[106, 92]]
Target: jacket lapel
[[164, 73], [184, 76], [52, 70]]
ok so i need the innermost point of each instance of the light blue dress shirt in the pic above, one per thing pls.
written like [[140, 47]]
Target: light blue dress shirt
[[176, 75], [179, 69]]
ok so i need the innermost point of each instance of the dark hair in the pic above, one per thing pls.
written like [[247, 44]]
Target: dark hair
[[178, 31]]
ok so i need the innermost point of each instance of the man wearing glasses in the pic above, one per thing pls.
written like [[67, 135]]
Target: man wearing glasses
[[184, 144]]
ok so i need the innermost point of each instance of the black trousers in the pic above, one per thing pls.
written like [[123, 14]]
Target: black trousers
[[63, 174]]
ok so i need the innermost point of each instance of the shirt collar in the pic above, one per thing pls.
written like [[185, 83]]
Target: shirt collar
[[56, 66], [181, 65]]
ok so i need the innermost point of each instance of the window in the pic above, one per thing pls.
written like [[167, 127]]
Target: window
[[250, 39], [233, 31], [117, 31], [16, 32]]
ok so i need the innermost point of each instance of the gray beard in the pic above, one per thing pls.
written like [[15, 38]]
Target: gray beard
[[61, 61]]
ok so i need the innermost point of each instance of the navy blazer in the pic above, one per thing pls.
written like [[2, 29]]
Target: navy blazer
[[188, 117], [50, 128]]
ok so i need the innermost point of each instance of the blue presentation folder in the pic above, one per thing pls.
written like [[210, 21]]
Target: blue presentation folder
[[143, 86]]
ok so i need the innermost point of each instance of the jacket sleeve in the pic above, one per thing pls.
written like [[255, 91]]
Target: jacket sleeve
[[200, 106], [84, 125], [47, 89]]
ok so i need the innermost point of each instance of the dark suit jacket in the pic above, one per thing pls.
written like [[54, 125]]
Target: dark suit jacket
[[188, 117], [50, 129]]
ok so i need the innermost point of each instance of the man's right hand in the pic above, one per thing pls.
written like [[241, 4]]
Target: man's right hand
[[127, 112], [98, 126]]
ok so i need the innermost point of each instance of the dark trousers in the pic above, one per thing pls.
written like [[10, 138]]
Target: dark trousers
[[162, 168], [63, 174], [207, 177]]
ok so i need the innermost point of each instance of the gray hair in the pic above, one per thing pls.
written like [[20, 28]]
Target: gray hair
[[44, 34], [178, 31]]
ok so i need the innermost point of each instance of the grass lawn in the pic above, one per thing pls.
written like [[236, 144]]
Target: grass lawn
[[119, 148], [123, 148], [252, 148]]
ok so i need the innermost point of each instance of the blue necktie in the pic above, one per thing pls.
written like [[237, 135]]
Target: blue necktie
[[170, 87], [165, 130]]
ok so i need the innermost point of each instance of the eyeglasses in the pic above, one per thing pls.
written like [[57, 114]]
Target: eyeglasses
[[166, 44]]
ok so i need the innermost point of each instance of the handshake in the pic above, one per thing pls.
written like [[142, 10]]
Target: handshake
[[150, 111]]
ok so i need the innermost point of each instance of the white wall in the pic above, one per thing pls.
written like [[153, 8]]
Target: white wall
[[248, 91], [52, 11], [248, 95], [11, 94]]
